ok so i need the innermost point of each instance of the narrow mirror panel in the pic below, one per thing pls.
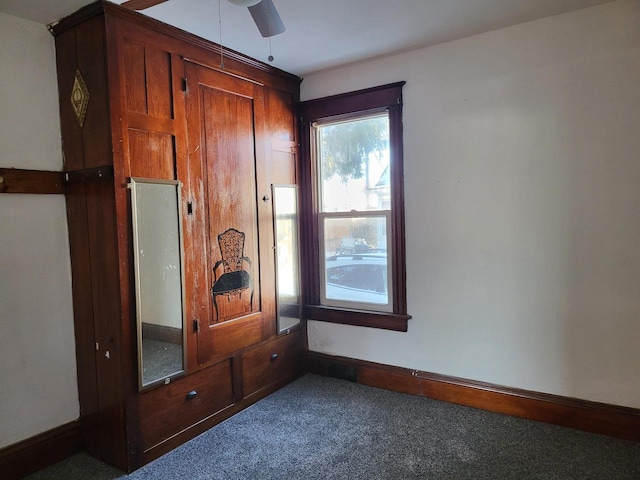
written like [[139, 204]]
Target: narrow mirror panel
[[157, 239], [285, 208]]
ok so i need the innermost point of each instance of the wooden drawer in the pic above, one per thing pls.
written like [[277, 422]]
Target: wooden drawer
[[271, 362], [168, 410]]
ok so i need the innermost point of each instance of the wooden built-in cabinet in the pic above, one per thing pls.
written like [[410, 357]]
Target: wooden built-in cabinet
[[159, 106]]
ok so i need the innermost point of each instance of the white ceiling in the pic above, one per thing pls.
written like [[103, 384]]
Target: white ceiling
[[323, 34]]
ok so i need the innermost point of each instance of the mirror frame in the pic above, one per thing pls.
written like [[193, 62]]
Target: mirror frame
[[176, 187], [274, 195]]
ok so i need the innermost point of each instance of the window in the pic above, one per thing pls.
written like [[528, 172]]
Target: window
[[353, 208], [354, 212]]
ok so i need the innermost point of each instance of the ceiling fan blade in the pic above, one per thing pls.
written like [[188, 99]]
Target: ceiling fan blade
[[267, 18], [140, 4]]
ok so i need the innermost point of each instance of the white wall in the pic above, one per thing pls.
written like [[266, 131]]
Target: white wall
[[522, 184], [37, 355]]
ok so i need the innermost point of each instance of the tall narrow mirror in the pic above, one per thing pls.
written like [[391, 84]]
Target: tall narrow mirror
[[285, 208], [159, 279]]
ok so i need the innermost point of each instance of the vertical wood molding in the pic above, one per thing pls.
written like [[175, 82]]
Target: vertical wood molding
[[16, 180], [601, 418], [40, 451]]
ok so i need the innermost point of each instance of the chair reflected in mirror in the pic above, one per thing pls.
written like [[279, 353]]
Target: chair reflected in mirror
[[234, 279]]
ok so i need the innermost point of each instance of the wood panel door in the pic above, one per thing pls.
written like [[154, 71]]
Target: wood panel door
[[229, 231]]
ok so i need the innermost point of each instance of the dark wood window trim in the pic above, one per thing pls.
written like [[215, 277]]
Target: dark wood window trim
[[385, 97]]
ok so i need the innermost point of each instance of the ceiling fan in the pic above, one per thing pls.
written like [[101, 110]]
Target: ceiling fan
[[264, 13]]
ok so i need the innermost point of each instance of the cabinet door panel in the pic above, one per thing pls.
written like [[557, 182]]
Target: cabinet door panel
[[282, 129], [153, 154], [159, 87], [228, 143], [148, 86], [135, 85], [227, 179]]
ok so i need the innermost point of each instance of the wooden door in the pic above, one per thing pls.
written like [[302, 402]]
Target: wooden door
[[229, 228]]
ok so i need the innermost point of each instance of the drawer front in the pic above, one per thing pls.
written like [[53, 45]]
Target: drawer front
[[271, 362], [167, 410]]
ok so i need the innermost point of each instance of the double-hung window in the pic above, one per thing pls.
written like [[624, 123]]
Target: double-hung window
[[353, 210]]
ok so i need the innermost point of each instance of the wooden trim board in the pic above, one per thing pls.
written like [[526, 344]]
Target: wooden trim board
[[40, 451], [602, 418], [16, 180], [382, 320]]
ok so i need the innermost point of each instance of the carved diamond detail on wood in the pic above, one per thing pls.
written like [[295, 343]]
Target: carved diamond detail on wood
[[80, 98]]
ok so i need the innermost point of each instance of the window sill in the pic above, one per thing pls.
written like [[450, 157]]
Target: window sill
[[360, 318]]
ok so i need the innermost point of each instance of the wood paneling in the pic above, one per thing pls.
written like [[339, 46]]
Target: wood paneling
[[279, 107], [66, 64], [135, 78], [612, 420], [109, 435], [229, 337], [96, 135], [159, 88], [153, 155], [82, 298], [148, 80]]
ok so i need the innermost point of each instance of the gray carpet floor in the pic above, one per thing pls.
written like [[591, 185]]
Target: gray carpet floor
[[324, 428]]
